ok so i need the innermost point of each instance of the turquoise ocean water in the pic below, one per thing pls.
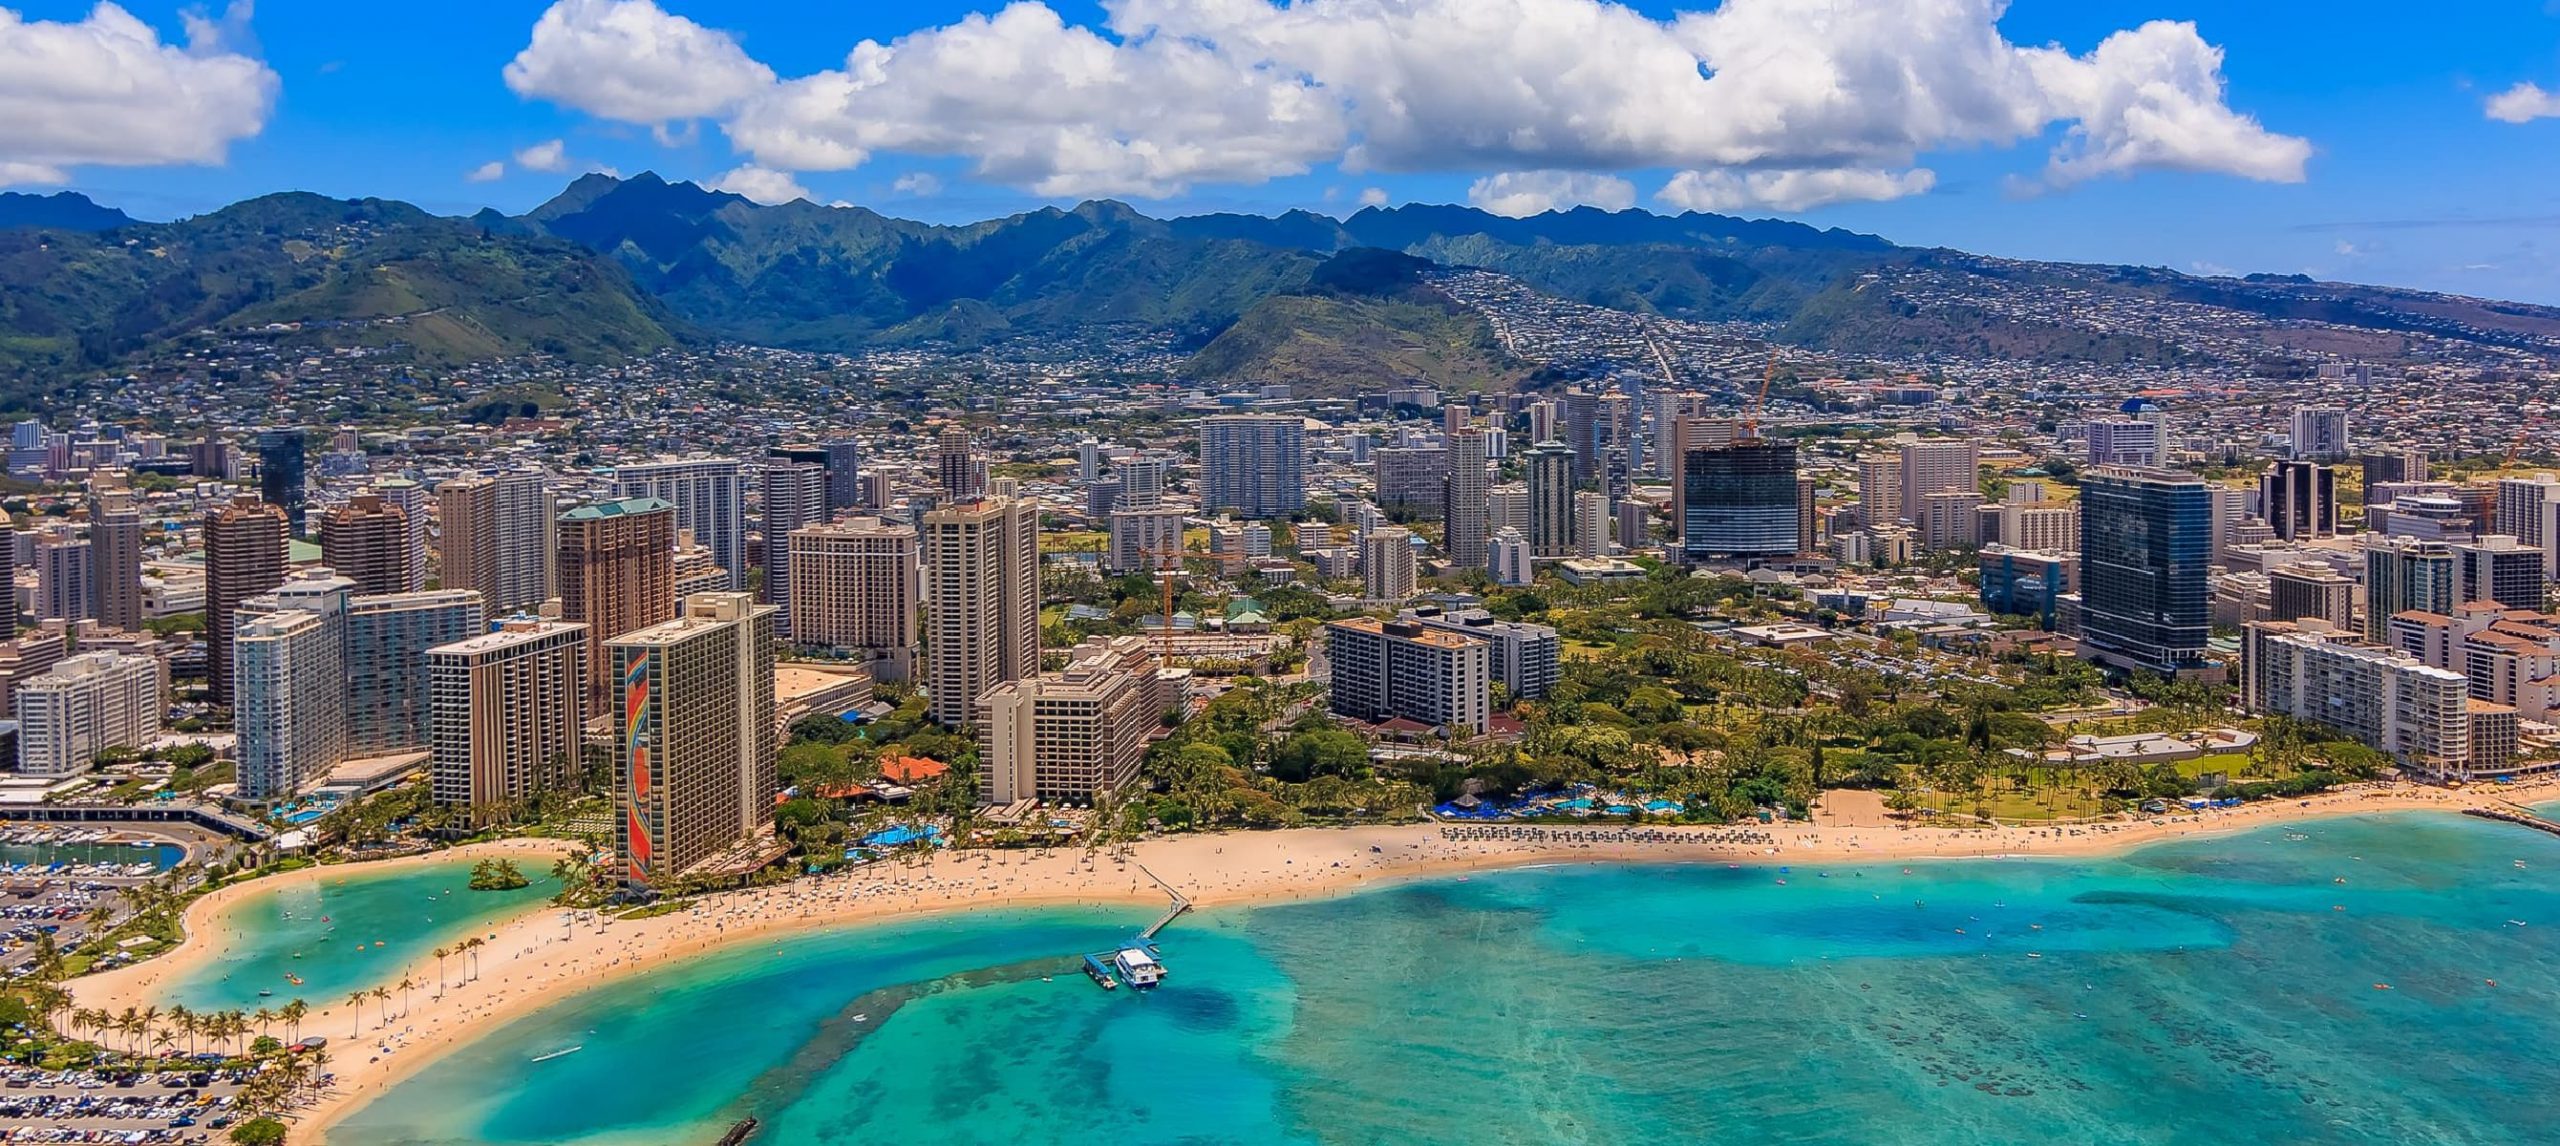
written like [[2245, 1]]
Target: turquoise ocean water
[[2218, 990], [350, 930]]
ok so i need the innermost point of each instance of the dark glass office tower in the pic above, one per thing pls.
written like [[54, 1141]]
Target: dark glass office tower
[[2146, 543], [281, 473], [1740, 501]]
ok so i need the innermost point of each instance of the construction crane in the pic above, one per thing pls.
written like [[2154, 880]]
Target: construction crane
[[1750, 428], [1171, 568]]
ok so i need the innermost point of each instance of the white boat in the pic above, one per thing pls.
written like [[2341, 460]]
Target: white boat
[[562, 1053], [1138, 967]]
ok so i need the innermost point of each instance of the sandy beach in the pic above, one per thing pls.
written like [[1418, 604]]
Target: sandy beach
[[548, 953]]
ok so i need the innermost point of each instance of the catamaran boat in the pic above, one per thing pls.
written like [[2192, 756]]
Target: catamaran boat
[[1138, 967]]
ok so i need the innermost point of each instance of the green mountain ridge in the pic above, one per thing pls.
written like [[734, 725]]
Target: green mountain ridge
[[613, 267]]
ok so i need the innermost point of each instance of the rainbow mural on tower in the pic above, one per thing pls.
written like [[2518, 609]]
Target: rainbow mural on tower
[[636, 687]]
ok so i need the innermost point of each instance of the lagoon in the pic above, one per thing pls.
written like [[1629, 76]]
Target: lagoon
[[347, 928]]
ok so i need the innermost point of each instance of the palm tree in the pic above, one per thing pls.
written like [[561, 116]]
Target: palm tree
[[407, 985], [355, 1006], [185, 1022], [440, 954], [292, 1015], [265, 1018], [382, 1000]]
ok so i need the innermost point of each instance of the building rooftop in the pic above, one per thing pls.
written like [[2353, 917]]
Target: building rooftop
[[512, 633], [622, 508]]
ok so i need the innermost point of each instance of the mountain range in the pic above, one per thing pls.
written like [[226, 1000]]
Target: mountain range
[[615, 266]]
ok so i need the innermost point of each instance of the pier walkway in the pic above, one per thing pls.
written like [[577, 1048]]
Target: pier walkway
[[2520, 817]]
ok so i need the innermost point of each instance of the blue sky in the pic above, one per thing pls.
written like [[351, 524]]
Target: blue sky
[[2407, 179]]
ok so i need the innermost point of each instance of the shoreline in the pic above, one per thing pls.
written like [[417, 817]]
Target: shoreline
[[546, 955], [209, 931]]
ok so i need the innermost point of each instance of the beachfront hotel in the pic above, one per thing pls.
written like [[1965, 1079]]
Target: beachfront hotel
[[1384, 671], [507, 709], [2385, 698], [694, 738], [1076, 732]]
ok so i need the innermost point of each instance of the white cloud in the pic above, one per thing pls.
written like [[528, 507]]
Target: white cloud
[[2151, 99], [1163, 94], [1790, 190], [920, 184], [548, 155], [2523, 103], [1520, 194], [488, 172], [1373, 197], [762, 184], [630, 60], [107, 91]]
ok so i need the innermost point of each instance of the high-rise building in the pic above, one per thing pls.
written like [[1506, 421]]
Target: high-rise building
[[1938, 467], [244, 555], [2299, 592], [367, 542], [1586, 432], [710, 502], [115, 561], [1464, 499], [2320, 433], [2382, 697], [1550, 478], [1141, 482], [1740, 501], [982, 602], [1075, 733], [695, 746], [411, 499], [387, 684], [84, 706], [1410, 477], [2131, 442], [2401, 574], [1253, 465], [2300, 500], [1386, 670], [2499, 568], [289, 657], [1949, 519], [617, 575], [1510, 558], [8, 577], [1387, 566], [2390, 467], [499, 535], [1524, 658], [1592, 523], [1880, 489], [1507, 507], [844, 476], [282, 478], [795, 497], [2145, 553], [64, 577], [2528, 510], [854, 590], [506, 711], [962, 472], [1143, 539]]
